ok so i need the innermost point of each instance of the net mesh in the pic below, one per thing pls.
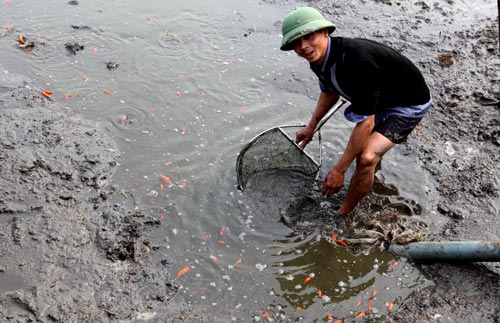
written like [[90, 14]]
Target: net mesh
[[273, 149]]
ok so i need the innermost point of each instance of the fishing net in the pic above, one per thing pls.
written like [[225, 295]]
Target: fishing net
[[273, 149]]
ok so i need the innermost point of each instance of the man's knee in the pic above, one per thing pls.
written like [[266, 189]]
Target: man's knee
[[368, 160]]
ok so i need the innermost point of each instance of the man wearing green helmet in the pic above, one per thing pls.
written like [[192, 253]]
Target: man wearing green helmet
[[388, 96]]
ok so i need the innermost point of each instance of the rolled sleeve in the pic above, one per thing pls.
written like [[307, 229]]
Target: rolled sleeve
[[323, 87], [353, 117]]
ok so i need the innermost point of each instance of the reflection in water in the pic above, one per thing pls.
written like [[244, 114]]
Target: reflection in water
[[317, 279], [338, 273]]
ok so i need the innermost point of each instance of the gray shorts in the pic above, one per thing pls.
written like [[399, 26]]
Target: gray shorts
[[396, 128]]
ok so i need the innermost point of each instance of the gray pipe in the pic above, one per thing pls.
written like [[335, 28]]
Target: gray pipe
[[449, 251]]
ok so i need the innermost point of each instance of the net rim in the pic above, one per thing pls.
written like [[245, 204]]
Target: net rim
[[247, 146]]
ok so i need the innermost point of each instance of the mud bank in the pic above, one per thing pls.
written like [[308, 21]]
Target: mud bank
[[67, 254]]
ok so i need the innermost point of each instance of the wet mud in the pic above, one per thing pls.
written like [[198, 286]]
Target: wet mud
[[69, 255]]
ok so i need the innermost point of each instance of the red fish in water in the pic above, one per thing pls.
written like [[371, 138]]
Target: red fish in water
[[166, 179], [338, 241], [183, 271]]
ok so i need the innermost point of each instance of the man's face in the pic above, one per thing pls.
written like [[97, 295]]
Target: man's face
[[312, 46]]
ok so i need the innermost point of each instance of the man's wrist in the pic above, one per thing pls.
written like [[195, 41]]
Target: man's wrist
[[340, 168]]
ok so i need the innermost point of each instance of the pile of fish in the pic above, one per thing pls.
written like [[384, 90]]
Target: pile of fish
[[360, 231], [382, 229]]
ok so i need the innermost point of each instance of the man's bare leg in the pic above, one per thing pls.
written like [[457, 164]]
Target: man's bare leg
[[362, 180]]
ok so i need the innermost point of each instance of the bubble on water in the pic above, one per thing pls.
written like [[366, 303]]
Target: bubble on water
[[326, 298], [298, 286], [260, 267]]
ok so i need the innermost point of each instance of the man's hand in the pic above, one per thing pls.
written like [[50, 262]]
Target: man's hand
[[333, 183], [304, 136]]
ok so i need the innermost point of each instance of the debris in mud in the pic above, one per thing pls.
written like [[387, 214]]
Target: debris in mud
[[387, 2], [73, 2], [74, 48], [485, 100], [112, 65], [249, 32], [424, 5], [24, 44], [80, 27], [126, 241], [451, 212], [445, 60]]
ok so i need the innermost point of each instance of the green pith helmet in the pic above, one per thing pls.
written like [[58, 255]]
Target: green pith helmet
[[300, 22]]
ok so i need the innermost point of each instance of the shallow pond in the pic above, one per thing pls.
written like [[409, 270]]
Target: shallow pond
[[187, 85]]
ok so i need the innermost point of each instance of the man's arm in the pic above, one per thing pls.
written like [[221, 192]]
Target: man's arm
[[326, 101], [334, 180]]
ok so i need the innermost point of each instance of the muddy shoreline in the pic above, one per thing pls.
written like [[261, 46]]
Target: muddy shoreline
[[84, 259]]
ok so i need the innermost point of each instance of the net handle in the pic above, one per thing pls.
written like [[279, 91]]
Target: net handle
[[340, 103]]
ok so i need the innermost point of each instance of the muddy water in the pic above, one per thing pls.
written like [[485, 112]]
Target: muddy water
[[195, 81]]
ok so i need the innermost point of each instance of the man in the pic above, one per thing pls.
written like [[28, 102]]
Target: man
[[388, 96]]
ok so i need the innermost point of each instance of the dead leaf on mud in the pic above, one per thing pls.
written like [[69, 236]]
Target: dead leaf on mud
[[445, 60]]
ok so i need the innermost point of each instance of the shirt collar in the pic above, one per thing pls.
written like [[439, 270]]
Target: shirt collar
[[326, 56]]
